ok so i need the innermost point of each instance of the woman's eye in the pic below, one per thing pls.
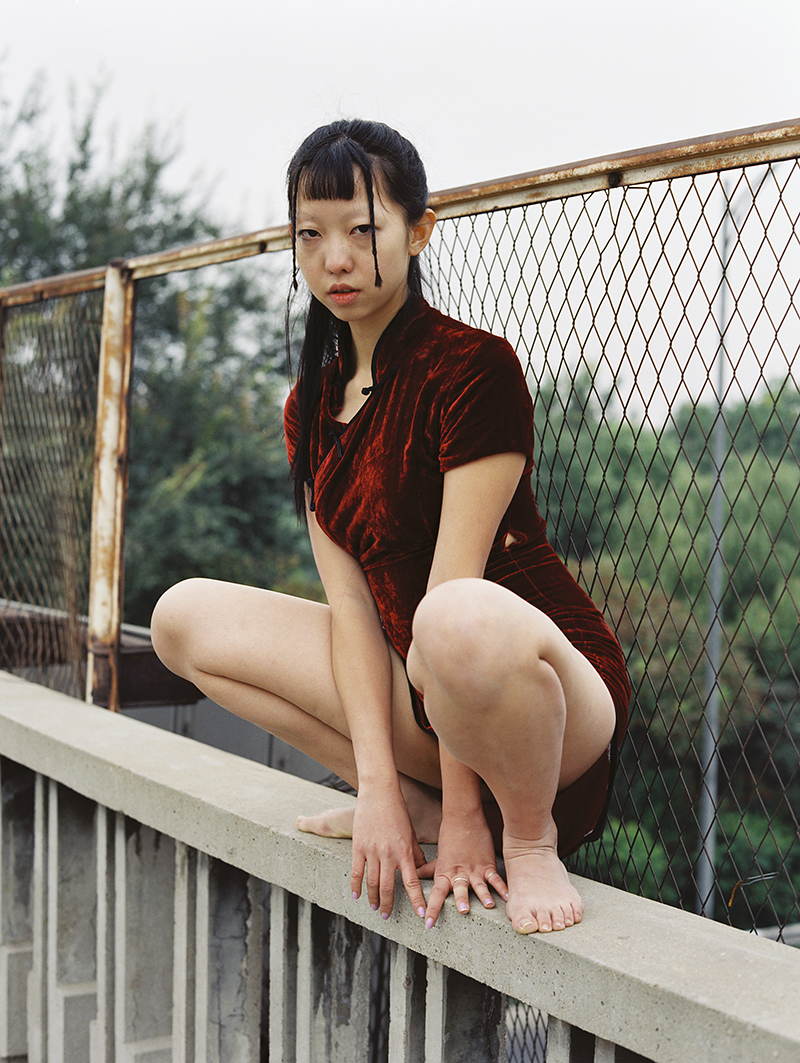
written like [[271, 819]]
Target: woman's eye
[[363, 230], [307, 234]]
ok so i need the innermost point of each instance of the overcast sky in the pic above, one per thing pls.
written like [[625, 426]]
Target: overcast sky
[[485, 88]]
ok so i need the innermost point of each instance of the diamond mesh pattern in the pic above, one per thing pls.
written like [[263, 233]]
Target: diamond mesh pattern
[[48, 392], [659, 328]]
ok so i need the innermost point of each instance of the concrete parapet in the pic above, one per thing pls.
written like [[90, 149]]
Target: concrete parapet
[[657, 981]]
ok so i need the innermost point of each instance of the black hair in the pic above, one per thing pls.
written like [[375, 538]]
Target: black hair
[[324, 167]]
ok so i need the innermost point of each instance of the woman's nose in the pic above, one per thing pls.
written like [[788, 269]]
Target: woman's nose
[[338, 258]]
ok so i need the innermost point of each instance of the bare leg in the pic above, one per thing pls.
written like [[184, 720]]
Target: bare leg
[[512, 699], [267, 657]]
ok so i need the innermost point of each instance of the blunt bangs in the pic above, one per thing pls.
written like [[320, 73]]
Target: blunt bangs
[[331, 173]]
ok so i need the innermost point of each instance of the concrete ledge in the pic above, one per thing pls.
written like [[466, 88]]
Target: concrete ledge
[[651, 978]]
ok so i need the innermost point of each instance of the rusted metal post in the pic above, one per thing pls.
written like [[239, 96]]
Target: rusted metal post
[[110, 478]]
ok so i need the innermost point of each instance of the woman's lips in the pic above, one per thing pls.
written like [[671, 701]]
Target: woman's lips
[[343, 296]]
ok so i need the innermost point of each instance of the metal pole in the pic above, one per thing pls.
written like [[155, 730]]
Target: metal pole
[[709, 783], [110, 481], [709, 753]]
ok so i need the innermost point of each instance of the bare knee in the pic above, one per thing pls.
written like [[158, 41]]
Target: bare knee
[[456, 636], [175, 613]]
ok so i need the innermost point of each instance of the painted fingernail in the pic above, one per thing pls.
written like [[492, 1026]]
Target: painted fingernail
[[428, 924], [488, 903], [463, 907], [374, 907], [355, 895], [420, 911], [384, 915]]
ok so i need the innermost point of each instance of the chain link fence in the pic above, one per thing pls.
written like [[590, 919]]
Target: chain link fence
[[48, 400], [659, 327], [660, 330]]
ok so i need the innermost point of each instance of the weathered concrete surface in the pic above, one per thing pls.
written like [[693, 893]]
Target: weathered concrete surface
[[659, 981]]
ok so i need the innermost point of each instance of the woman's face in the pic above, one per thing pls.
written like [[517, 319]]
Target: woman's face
[[334, 253]]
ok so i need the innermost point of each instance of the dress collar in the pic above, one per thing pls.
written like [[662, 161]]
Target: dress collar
[[388, 346]]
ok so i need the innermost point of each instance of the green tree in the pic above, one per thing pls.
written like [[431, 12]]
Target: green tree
[[208, 479]]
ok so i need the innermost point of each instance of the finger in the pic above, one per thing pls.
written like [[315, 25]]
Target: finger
[[482, 893], [413, 889], [386, 901], [427, 870], [460, 885], [497, 882], [441, 888], [374, 885], [357, 875]]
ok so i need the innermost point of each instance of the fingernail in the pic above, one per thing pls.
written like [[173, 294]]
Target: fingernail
[[463, 907], [428, 924], [355, 896], [488, 903], [384, 915], [420, 911], [374, 907]]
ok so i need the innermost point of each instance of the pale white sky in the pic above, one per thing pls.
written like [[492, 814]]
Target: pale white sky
[[485, 88]]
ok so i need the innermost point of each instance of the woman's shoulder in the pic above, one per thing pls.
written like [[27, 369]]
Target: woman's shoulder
[[456, 349], [449, 340]]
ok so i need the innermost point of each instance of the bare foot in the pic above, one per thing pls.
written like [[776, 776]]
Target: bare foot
[[334, 823], [540, 895], [424, 806]]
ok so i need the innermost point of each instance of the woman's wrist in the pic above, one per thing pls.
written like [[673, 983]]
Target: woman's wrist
[[378, 781], [457, 815]]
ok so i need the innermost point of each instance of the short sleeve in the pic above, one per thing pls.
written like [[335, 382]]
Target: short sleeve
[[488, 409], [291, 423]]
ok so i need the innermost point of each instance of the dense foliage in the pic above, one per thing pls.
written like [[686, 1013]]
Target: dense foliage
[[208, 475]]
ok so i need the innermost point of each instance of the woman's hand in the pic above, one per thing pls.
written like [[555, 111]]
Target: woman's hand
[[383, 841], [465, 859]]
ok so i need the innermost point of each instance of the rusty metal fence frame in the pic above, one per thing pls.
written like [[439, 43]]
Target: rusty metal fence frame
[[118, 281]]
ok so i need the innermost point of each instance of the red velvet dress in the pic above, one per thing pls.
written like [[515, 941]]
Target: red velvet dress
[[445, 394]]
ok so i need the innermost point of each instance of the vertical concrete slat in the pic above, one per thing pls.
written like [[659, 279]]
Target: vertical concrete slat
[[55, 1052], [37, 981], [202, 959], [434, 1012], [604, 1051], [333, 980], [120, 940], [305, 982], [103, 1043], [557, 1040], [234, 930], [184, 987], [16, 931], [71, 924], [145, 913], [283, 959], [406, 1005], [464, 1019], [342, 966], [570, 1044]]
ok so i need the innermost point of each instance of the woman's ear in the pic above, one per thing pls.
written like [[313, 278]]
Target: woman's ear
[[421, 232]]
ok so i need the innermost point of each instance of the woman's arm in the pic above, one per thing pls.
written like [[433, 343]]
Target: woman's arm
[[475, 498], [383, 837]]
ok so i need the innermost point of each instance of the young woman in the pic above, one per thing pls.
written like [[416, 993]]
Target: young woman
[[458, 678]]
